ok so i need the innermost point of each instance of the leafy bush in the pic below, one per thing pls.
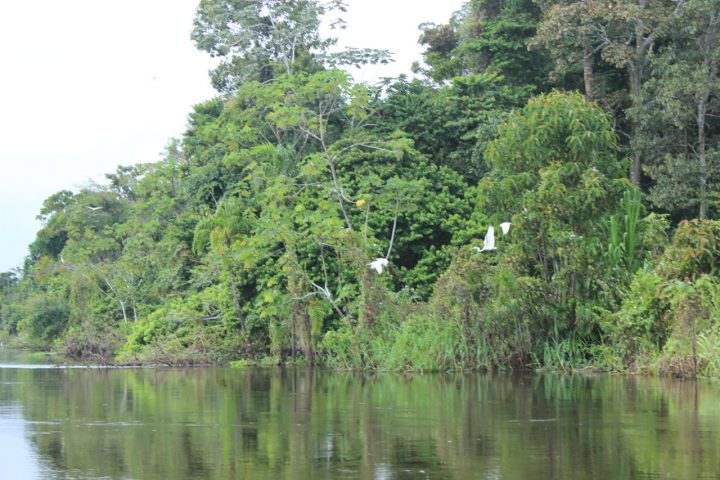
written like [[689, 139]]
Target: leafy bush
[[46, 318], [671, 311]]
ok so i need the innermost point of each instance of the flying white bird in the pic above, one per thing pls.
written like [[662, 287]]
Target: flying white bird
[[489, 243], [93, 208], [505, 226], [378, 264]]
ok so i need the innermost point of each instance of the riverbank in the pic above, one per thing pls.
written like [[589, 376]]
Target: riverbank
[[587, 367]]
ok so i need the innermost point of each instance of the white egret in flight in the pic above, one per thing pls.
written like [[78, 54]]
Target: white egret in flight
[[93, 208], [489, 243], [378, 264], [505, 226]]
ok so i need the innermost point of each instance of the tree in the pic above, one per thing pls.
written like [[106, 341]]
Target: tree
[[624, 33], [220, 232], [8, 280], [677, 111], [51, 239], [487, 37], [556, 173], [261, 39], [441, 42], [451, 124]]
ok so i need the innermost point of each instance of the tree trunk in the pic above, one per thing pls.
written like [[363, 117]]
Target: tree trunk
[[301, 326], [371, 293], [302, 320], [236, 298], [124, 311], [702, 139], [635, 73], [636, 69], [702, 157], [292, 337], [588, 70]]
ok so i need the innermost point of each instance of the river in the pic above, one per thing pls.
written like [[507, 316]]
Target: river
[[225, 423]]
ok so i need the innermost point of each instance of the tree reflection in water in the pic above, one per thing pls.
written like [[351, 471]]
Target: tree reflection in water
[[221, 423]]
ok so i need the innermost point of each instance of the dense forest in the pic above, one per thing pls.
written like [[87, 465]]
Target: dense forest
[[542, 194]]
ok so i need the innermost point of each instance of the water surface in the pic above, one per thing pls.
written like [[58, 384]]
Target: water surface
[[223, 423]]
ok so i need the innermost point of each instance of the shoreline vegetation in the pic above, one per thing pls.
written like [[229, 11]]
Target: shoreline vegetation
[[591, 131]]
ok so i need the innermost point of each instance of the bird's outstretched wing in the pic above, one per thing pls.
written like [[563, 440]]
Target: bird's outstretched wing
[[489, 242]]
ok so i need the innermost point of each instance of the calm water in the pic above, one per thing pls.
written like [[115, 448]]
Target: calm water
[[222, 423]]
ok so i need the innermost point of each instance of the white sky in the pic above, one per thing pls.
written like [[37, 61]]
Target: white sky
[[88, 85]]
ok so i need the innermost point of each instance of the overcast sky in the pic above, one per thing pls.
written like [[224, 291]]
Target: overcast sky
[[88, 85]]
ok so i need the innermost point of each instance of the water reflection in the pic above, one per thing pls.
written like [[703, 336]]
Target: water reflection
[[19, 461], [287, 424]]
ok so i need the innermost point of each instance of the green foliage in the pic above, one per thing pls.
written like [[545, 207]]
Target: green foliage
[[708, 346], [425, 343], [557, 176], [46, 318], [252, 238], [624, 248], [452, 125], [339, 350], [564, 354], [254, 37], [677, 111], [487, 37], [671, 311], [261, 39]]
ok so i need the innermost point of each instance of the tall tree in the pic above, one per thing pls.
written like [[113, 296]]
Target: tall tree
[[678, 111], [558, 175], [487, 37], [261, 39], [624, 32]]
